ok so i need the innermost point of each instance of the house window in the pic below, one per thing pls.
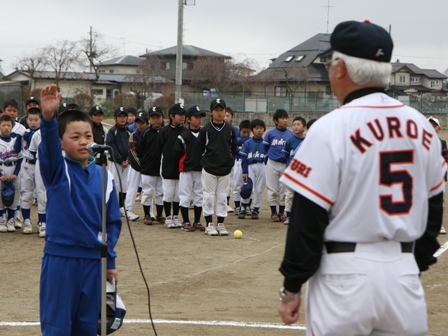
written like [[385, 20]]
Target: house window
[[289, 59], [97, 92], [414, 79], [434, 83], [280, 91], [299, 58], [402, 79], [184, 66]]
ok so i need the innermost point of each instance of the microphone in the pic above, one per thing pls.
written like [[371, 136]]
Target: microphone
[[95, 148]]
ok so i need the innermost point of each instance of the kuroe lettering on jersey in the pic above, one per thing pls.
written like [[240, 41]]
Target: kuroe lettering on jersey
[[300, 168], [390, 127]]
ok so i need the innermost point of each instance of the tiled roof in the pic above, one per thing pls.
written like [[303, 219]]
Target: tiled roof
[[187, 50], [125, 60]]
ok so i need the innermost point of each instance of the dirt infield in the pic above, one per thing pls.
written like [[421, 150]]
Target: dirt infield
[[199, 285]]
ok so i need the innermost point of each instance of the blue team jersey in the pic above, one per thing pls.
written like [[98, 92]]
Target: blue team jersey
[[290, 145], [274, 140], [253, 151], [240, 142]]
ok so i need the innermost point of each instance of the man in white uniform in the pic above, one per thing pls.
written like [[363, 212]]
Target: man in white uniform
[[367, 208]]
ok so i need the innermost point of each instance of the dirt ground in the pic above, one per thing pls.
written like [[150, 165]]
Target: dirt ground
[[199, 285]]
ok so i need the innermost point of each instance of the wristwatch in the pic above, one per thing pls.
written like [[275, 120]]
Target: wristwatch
[[288, 298]]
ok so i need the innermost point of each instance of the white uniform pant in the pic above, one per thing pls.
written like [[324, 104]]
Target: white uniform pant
[[151, 185], [27, 185], [375, 290], [289, 197], [214, 187], [257, 172], [190, 188], [134, 179], [276, 190], [120, 175], [170, 190], [41, 192], [237, 180]]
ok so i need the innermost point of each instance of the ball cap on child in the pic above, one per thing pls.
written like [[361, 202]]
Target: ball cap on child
[[120, 110], [195, 111], [434, 120], [142, 116], [177, 109], [363, 40], [8, 192], [96, 110], [155, 110], [217, 102], [115, 310], [32, 100], [246, 189]]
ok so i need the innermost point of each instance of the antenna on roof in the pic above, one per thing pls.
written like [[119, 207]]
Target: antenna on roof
[[328, 13]]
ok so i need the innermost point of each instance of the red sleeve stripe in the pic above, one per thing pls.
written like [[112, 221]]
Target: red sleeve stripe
[[373, 106], [326, 200], [437, 186]]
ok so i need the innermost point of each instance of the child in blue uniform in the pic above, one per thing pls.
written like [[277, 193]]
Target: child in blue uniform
[[237, 181], [70, 284]]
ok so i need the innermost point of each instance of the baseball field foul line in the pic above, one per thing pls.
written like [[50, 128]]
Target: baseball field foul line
[[204, 323], [441, 250]]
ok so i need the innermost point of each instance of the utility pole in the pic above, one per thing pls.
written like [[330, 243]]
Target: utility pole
[[180, 26], [90, 48]]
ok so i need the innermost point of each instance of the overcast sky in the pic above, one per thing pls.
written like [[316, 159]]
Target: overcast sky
[[255, 29]]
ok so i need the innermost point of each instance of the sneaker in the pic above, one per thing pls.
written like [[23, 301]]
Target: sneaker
[[242, 214], [169, 223], [254, 215], [281, 218], [138, 197], [177, 222], [122, 214], [199, 226], [286, 222], [229, 209], [147, 220], [442, 230], [222, 230], [2, 220], [237, 211], [211, 230], [42, 227], [153, 218], [131, 216], [188, 227], [27, 228], [160, 219], [3, 227], [18, 222], [275, 218], [10, 225]]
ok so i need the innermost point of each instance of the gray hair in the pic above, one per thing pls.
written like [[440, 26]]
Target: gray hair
[[363, 71]]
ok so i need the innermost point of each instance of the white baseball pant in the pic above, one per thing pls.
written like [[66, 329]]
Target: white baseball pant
[[237, 180], [289, 197], [190, 188], [134, 179], [41, 192], [214, 187], [170, 190], [28, 184], [276, 190], [257, 173], [120, 175], [151, 185]]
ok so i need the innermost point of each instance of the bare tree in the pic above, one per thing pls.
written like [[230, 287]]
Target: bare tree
[[83, 100], [62, 58], [31, 64]]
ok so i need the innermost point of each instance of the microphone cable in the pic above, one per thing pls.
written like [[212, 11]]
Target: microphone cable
[[111, 152]]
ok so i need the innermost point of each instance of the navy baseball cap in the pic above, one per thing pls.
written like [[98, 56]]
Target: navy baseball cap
[[32, 100], [115, 310], [95, 110], [363, 40], [8, 192], [120, 110], [68, 107], [217, 102], [142, 116], [195, 111], [155, 110], [177, 109], [246, 189]]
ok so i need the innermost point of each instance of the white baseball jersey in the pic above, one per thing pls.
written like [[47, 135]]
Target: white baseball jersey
[[373, 189]]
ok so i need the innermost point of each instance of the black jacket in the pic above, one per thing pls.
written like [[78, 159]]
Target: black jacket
[[149, 153], [167, 140]]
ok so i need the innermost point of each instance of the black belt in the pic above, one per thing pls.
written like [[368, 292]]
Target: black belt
[[30, 161], [237, 159], [341, 247], [281, 160], [8, 163]]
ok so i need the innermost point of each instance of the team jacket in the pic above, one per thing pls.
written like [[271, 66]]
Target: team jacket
[[274, 141], [184, 148], [148, 152], [167, 140], [240, 142], [253, 151], [216, 148], [99, 133], [74, 203], [118, 138], [132, 150], [10, 148]]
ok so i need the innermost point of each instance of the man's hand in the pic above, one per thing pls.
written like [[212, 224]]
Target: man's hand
[[245, 176], [112, 274], [50, 99], [289, 311]]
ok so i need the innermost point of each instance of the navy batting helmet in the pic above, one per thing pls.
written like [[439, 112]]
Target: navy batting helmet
[[8, 192]]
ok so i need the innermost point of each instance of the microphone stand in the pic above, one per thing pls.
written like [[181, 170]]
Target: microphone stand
[[103, 160]]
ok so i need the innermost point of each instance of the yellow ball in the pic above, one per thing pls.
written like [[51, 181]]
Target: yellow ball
[[237, 234]]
